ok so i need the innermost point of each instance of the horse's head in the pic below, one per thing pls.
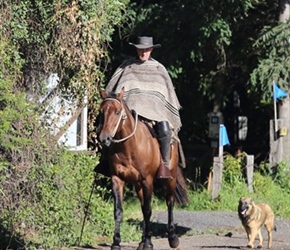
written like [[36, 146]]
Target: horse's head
[[111, 114]]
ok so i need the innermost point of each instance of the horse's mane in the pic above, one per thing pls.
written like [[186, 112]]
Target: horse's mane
[[112, 95]]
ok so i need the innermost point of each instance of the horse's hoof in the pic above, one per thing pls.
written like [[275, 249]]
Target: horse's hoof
[[173, 241], [115, 247], [148, 247], [140, 247]]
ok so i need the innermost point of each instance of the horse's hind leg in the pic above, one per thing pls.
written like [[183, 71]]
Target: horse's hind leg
[[117, 189], [170, 201], [172, 237]]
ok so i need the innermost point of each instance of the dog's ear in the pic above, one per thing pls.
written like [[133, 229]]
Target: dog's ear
[[241, 201]]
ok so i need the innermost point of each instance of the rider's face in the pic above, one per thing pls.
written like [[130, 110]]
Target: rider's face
[[144, 54]]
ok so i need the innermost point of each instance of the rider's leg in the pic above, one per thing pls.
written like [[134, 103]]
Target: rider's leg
[[164, 133]]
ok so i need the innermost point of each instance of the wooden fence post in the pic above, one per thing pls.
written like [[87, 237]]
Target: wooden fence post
[[216, 180], [217, 176], [249, 171]]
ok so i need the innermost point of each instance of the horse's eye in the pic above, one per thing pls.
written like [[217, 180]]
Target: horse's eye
[[118, 112]]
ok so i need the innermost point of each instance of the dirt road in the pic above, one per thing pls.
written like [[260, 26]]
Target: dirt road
[[208, 231]]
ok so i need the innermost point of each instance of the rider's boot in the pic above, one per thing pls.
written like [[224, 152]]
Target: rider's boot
[[164, 138]]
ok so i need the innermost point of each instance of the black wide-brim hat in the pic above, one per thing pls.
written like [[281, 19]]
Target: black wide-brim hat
[[145, 42]]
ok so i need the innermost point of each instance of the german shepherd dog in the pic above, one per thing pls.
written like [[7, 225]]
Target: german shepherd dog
[[253, 217]]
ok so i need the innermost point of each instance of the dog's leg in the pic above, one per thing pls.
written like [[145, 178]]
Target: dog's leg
[[260, 239], [269, 229], [270, 226], [252, 235], [248, 231], [270, 239]]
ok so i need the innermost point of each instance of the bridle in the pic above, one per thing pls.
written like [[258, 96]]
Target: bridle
[[123, 116]]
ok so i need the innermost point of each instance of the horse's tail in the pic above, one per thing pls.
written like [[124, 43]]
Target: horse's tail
[[181, 154], [181, 196]]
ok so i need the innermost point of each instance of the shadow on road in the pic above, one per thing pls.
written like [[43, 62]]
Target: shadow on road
[[159, 230]]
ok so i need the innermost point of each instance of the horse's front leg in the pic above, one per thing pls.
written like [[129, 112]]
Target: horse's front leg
[[118, 192], [145, 196], [172, 237]]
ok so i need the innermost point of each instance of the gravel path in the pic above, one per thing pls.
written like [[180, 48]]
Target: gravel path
[[208, 230]]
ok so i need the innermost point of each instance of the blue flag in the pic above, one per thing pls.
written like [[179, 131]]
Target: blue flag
[[224, 140], [278, 92]]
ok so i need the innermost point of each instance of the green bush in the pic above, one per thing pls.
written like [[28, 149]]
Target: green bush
[[282, 176], [54, 203], [45, 190]]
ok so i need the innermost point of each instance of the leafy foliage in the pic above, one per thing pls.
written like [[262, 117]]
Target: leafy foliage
[[69, 38], [274, 63], [44, 188], [282, 176], [232, 172]]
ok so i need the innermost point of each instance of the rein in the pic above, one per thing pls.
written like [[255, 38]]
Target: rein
[[123, 116]]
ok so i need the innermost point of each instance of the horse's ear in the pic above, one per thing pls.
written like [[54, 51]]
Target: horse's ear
[[103, 94], [121, 94]]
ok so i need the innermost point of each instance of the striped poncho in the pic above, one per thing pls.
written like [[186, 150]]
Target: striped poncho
[[148, 90]]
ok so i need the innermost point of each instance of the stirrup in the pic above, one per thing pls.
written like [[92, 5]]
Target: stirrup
[[163, 172]]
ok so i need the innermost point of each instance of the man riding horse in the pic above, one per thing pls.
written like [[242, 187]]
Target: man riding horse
[[149, 92]]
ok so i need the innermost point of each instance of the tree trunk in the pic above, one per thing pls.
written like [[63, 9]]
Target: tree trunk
[[220, 80], [219, 94], [284, 106]]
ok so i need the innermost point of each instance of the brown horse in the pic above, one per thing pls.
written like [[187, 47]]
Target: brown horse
[[134, 157]]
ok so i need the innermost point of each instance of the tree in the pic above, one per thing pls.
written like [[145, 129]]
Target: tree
[[284, 110], [274, 65]]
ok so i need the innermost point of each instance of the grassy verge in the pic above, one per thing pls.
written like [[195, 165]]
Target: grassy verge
[[56, 209]]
